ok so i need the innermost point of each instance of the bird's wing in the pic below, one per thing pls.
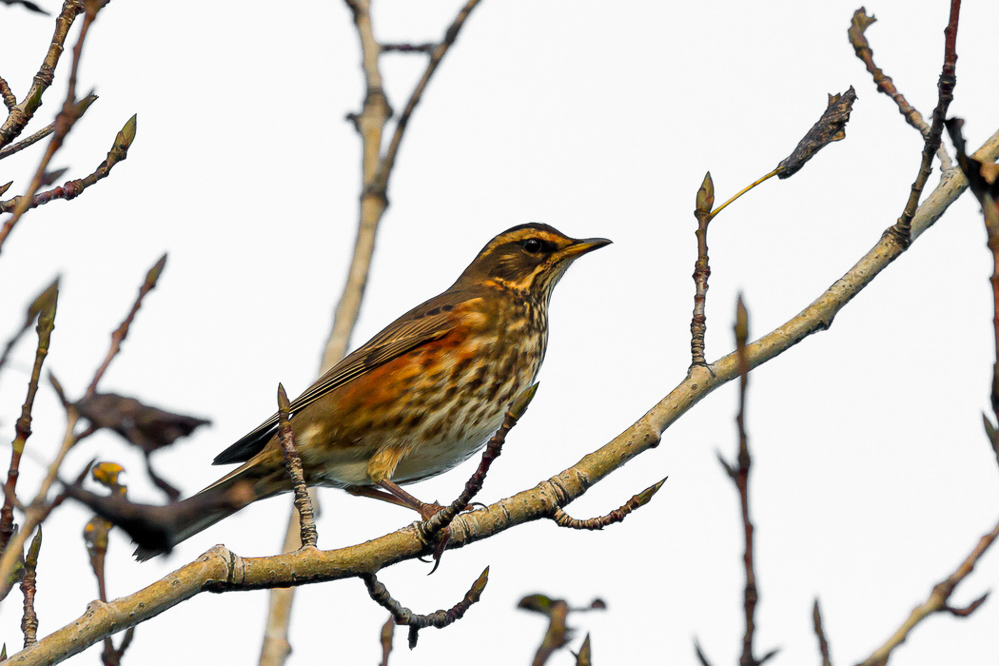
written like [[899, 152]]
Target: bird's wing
[[429, 321]]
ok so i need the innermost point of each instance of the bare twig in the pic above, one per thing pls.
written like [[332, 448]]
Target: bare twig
[[74, 188], [36, 306], [415, 621], [937, 602], [615, 516], [121, 332], [409, 48], [23, 112], [29, 620], [704, 200], [820, 634], [375, 169], [450, 35], [82, 107], [740, 476], [858, 26], [95, 536], [46, 323], [63, 123], [293, 465], [945, 85]]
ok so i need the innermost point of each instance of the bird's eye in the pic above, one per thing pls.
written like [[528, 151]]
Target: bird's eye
[[532, 245]]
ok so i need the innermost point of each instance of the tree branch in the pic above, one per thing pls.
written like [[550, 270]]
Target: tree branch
[[219, 570]]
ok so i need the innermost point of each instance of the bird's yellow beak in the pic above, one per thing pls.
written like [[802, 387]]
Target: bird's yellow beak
[[581, 247]]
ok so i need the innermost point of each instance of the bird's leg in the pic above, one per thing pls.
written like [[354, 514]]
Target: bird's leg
[[401, 497], [375, 493]]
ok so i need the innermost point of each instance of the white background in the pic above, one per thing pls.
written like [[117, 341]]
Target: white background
[[872, 477]]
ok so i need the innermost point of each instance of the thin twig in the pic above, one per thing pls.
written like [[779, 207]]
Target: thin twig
[[293, 465], [74, 188], [820, 634], [439, 619], [409, 48], [22, 427], [615, 516], [937, 601], [29, 585], [858, 25], [945, 85], [63, 123], [37, 305], [23, 112], [121, 332], [450, 35], [82, 107], [376, 170], [704, 200], [740, 476]]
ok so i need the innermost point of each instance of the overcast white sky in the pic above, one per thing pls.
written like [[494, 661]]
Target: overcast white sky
[[872, 475]]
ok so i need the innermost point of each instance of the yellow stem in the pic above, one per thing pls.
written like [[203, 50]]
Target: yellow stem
[[743, 191]]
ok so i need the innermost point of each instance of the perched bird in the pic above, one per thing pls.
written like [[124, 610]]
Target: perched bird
[[418, 398]]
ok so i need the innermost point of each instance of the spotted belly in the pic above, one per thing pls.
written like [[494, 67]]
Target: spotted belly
[[426, 411]]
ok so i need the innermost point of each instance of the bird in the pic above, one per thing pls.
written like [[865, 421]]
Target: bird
[[420, 397]]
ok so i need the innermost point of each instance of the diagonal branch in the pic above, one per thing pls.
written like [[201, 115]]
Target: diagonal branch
[[937, 601], [220, 570]]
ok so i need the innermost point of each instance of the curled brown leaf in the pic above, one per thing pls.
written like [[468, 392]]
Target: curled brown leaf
[[830, 127]]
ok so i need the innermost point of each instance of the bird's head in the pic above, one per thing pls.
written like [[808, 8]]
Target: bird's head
[[529, 258]]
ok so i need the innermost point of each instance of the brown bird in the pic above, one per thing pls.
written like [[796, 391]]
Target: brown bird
[[420, 397]]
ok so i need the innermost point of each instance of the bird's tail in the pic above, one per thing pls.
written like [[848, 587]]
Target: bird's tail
[[218, 501]]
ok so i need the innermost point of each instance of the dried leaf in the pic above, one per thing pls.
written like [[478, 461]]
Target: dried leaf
[[31, 7], [537, 603], [830, 127], [149, 428], [52, 176]]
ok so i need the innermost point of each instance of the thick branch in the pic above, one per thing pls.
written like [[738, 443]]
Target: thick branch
[[219, 570]]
